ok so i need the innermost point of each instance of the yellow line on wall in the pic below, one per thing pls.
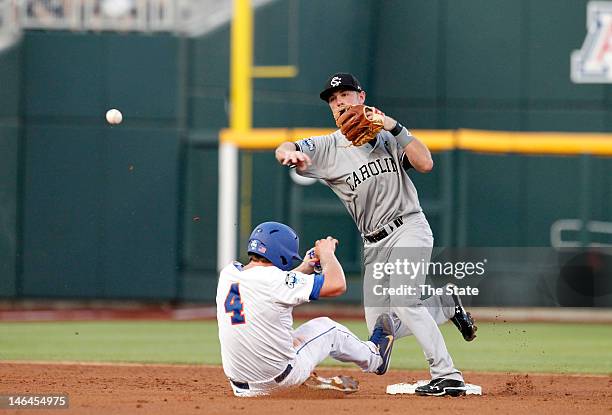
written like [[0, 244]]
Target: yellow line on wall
[[444, 140], [436, 140], [259, 138], [534, 142], [286, 71]]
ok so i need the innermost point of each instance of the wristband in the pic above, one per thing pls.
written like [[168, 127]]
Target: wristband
[[404, 137], [397, 129]]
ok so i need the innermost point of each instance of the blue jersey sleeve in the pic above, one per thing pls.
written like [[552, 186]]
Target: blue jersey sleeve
[[319, 279]]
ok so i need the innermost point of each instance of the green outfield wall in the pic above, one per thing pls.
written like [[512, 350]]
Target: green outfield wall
[[10, 80], [93, 211], [97, 204]]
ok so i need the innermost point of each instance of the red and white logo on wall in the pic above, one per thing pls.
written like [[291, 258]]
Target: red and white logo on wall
[[593, 62]]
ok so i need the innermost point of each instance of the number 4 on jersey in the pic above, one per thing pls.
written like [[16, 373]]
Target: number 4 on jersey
[[233, 304]]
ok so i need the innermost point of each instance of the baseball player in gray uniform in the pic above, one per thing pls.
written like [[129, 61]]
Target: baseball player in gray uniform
[[372, 182]]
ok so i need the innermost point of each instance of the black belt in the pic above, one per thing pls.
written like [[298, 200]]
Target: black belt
[[381, 234], [278, 379]]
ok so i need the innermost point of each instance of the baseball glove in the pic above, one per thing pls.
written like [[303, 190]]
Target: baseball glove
[[359, 123]]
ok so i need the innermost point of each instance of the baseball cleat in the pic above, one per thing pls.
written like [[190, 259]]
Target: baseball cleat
[[340, 383], [442, 387], [383, 337], [463, 320]]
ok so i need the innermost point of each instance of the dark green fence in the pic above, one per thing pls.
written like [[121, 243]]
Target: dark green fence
[[89, 210]]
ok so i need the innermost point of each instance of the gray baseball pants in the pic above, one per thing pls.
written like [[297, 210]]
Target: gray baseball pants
[[412, 243]]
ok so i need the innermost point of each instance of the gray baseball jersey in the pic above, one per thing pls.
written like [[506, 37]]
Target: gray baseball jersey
[[373, 184], [370, 180]]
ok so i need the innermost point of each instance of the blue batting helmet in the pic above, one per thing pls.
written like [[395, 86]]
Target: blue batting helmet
[[276, 242]]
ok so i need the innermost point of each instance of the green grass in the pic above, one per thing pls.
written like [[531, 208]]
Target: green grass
[[516, 347], [121, 341]]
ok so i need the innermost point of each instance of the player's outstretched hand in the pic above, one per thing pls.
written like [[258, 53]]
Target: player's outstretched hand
[[295, 158]]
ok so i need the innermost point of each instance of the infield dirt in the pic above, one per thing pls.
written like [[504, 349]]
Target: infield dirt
[[181, 389]]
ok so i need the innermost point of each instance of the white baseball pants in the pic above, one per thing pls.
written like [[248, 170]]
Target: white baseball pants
[[314, 341]]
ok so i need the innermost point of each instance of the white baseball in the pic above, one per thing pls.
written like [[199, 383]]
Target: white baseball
[[114, 116]]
